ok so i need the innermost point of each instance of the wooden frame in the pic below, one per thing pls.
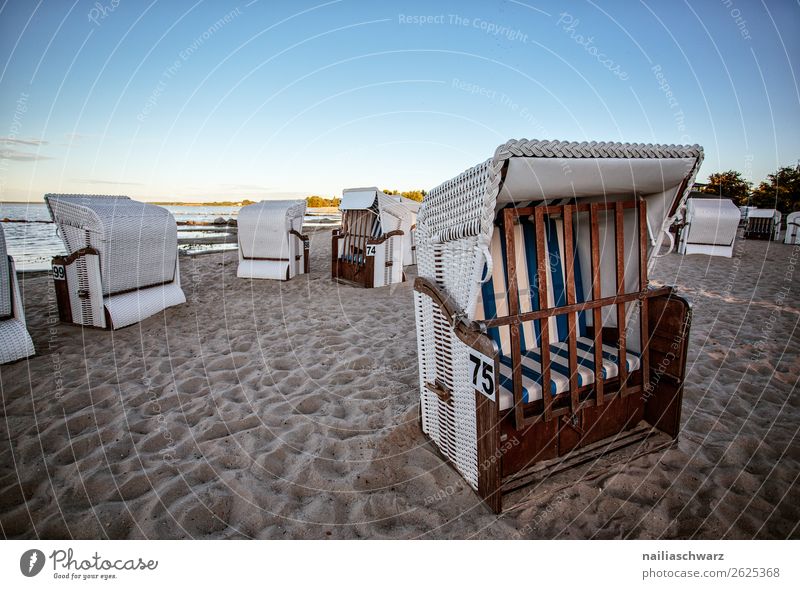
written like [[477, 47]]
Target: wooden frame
[[760, 228], [356, 239], [513, 443]]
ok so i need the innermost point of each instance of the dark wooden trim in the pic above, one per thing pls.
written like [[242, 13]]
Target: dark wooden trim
[[622, 341], [569, 263], [469, 333], [594, 304], [384, 237], [644, 331], [490, 456], [138, 288], [597, 294], [270, 259], [670, 323], [67, 260], [513, 311], [544, 352], [580, 208], [335, 236], [441, 391], [306, 242]]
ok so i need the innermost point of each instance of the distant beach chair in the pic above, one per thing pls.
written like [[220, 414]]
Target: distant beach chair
[[709, 227], [763, 224], [369, 249], [538, 332], [15, 341], [792, 228], [122, 262], [409, 239], [271, 242]]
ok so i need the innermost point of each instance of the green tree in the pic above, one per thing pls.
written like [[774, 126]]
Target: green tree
[[729, 184], [417, 195], [780, 190], [321, 201]]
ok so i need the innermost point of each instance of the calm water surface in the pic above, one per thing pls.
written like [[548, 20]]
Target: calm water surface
[[34, 244]]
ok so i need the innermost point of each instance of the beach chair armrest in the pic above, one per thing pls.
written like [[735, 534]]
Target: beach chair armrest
[[471, 333], [302, 237], [384, 237]]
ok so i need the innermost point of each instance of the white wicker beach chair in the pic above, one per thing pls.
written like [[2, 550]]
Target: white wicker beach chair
[[537, 332], [122, 262], [15, 341], [271, 242], [709, 227], [763, 224], [369, 249], [792, 235], [409, 243]]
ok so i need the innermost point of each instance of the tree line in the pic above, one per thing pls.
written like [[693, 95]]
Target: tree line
[[321, 201], [780, 190]]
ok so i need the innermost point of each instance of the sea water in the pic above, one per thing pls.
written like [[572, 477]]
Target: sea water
[[34, 244]]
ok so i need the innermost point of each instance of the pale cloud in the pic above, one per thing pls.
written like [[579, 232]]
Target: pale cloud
[[21, 156], [5, 140]]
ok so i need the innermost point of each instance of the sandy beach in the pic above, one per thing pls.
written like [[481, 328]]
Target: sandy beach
[[263, 409]]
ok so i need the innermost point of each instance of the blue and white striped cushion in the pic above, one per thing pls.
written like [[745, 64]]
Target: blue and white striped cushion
[[493, 302], [559, 370]]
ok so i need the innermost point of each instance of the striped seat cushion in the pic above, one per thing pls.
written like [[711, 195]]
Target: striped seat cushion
[[494, 303], [559, 370]]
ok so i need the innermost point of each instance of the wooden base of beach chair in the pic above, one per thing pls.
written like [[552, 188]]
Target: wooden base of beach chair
[[583, 463], [80, 298]]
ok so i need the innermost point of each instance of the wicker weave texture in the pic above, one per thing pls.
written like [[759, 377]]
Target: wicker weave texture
[[15, 341], [137, 241], [5, 278], [454, 229]]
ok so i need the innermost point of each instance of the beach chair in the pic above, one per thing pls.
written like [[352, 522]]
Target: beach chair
[[538, 333], [763, 224], [15, 341], [792, 235], [409, 243], [122, 260], [369, 249], [709, 227], [271, 242]]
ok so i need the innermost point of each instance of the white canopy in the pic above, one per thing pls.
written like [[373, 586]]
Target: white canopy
[[394, 214], [137, 242], [765, 214]]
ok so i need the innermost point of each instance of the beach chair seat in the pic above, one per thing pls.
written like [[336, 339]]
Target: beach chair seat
[[539, 335], [374, 242], [271, 242], [560, 370], [122, 260], [15, 341], [493, 302]]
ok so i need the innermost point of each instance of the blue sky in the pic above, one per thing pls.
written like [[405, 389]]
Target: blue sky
[[229, 100]]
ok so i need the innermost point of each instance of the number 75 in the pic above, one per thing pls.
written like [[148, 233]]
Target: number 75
[[483, 371]]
